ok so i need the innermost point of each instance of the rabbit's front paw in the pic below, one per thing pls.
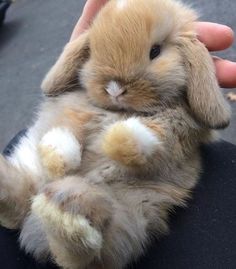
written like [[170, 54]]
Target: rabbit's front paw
[[130, 142], [60, 152]]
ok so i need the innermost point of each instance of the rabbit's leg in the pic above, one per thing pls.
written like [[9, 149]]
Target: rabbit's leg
[[74, 215], [16, 189], [130, 142], [141, 212], [87, 228]]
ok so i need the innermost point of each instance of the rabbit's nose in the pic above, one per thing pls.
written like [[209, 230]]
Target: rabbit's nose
[[114, 89]]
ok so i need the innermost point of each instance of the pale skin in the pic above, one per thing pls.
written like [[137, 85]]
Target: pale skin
[[216, 37]]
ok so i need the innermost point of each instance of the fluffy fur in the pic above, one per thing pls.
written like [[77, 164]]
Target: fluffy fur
[[130, 142], [60, 152], [120, 155]]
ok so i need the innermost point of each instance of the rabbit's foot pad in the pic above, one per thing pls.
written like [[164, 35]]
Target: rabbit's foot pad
[[60, 152], [72, 227], [130, 142]]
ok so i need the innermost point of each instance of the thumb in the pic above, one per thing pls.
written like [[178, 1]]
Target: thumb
[[91, 8]]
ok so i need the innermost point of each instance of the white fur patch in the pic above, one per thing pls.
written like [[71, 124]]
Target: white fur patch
[[65, 144], [64, 222], [25, 155], [121, 4], [114, 88], [147, 140]]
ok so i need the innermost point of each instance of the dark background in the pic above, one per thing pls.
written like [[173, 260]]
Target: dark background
[[33, 36]]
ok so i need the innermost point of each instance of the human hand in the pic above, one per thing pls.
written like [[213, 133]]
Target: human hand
[[91, 8], [219, 37], [216, 37]]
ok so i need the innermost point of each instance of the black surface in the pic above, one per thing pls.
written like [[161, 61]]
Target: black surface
[[4, 5], [10, 147], [203, 235]]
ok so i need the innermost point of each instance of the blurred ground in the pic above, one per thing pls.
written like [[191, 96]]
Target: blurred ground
[[33, 36]]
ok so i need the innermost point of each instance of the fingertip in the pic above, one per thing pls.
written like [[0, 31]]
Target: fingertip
[[228, 35], [215, 36], [226, 72], [90, 11]]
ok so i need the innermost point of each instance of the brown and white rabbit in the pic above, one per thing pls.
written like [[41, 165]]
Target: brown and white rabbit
[[116, 143]]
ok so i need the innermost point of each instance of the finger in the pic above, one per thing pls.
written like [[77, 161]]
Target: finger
[[226, 72], [91, 8], [215, 36]]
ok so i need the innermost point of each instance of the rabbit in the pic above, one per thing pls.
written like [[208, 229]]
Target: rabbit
[[116, 143]]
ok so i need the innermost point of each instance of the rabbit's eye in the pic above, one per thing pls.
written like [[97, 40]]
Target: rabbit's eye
[[155, 51]]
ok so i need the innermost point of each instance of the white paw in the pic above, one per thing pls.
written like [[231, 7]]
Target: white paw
[[130, 142], [144, 136], [60, 151]]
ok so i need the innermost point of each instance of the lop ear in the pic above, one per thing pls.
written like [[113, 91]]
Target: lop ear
[[205, 98], [63, 76]]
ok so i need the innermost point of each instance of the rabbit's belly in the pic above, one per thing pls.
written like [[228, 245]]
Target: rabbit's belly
[[100, 170], [105, 171]]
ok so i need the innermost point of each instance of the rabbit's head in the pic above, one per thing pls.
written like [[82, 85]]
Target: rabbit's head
[[144, 54]]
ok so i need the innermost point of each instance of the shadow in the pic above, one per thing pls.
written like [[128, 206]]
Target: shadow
[[8, 30], [4, 5]]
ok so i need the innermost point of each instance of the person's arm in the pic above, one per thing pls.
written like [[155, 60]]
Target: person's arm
[[208, 33]]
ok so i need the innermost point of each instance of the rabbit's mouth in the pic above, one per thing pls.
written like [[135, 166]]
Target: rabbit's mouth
[[134, 95], [123, 103], [119, 102]]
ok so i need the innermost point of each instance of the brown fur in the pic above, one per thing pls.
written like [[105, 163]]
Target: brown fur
[[206, 101], [124, 197], [120, 145], [155, 127], [62, 77], [14, 198], [72, 118], [52, 161]]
